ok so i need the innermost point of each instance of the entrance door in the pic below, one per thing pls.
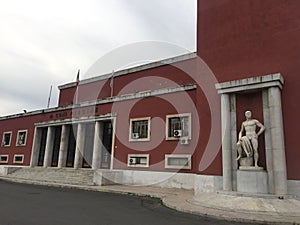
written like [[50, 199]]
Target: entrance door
[[43, 146], [56, 146], [107, 144]]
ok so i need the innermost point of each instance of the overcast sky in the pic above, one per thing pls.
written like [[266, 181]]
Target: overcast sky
[[45, 42]]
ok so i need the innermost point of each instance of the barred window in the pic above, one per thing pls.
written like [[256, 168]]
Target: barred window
[[21, 138], [178, 126], [6, 140], [140, 129]]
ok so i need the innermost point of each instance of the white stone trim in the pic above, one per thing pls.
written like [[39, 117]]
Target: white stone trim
[[189, 115], [182, 156], [18, 162], [132, 156], [131, 139], [18, 136], [3, 138], [4, 161], [254, 83]]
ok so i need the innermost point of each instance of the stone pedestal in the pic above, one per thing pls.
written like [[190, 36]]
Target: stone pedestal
[[247, 161], [252, 180]]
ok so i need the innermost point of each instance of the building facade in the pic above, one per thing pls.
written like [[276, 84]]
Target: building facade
[[181, 116]]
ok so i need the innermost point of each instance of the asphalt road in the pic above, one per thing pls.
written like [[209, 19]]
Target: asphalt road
[[22, 204]]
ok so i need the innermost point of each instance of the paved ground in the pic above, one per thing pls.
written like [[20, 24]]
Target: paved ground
[[24, 204]]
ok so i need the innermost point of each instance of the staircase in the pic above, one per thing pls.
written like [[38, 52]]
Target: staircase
[[54, 175]]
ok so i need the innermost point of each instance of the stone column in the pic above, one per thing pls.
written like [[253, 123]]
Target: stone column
[[226, 142], [277, 140], [49, 147], [79, 146], [233, 133], [63, 148], [36, 147], [98, 145], [268, 141]]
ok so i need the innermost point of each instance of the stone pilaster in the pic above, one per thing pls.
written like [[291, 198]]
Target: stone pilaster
[[79, 146], [277, 140], [98, 145], [268, 142], [36, 147], [49, 147], [226, 142], [63, 149]]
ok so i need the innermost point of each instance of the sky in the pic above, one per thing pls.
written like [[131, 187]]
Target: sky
[[44, 43]]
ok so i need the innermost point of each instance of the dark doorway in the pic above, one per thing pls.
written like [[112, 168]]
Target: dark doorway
[[44, 131], [107, 144], [56, 146], [72, 146]]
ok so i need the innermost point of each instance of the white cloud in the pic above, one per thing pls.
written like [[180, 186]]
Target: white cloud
[[43, 43]]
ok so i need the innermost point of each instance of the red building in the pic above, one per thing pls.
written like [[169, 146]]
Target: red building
[[180, 117]]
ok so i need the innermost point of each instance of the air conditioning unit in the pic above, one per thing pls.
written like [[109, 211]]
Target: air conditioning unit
[[132, 161], [135, 135], [177, 133], [184, 141]]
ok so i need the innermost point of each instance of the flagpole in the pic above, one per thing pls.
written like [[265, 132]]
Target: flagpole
[[49, 99], [77, 89], [111, 84]]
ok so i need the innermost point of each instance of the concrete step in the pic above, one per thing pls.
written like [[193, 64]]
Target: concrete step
[[55, 175]]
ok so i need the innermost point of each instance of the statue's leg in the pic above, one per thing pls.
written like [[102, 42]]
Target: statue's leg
[[239, 150], [246, 147], [255, 150]]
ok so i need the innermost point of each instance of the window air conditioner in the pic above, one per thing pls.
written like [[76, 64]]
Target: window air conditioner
[[135, 135], [184, 141], [177, 133], [132, 161]]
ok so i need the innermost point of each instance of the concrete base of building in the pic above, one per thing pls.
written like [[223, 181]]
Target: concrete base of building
[[199, 184]]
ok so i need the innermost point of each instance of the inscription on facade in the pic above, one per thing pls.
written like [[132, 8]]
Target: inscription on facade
[[75, 112]]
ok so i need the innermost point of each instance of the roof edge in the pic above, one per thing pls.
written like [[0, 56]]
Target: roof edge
[[172, 60]]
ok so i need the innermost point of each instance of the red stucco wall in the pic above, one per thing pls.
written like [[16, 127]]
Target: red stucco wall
[[246, 38]]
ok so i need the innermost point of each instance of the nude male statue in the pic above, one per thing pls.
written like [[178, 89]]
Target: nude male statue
[[249, 142]]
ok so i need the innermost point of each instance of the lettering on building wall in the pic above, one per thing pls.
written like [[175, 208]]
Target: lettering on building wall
[[75, 112]]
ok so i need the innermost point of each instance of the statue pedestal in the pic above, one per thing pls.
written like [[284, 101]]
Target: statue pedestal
[[246, 161], [252, 180]]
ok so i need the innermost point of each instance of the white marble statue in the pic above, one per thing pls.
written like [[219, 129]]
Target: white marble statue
[[248, 144]]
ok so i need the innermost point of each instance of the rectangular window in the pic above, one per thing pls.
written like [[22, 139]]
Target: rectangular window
[[178, 126], [138, 160], [3, 158], [21, 138], [178, 161], [6, 140], [140, 129], [18, 159]]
